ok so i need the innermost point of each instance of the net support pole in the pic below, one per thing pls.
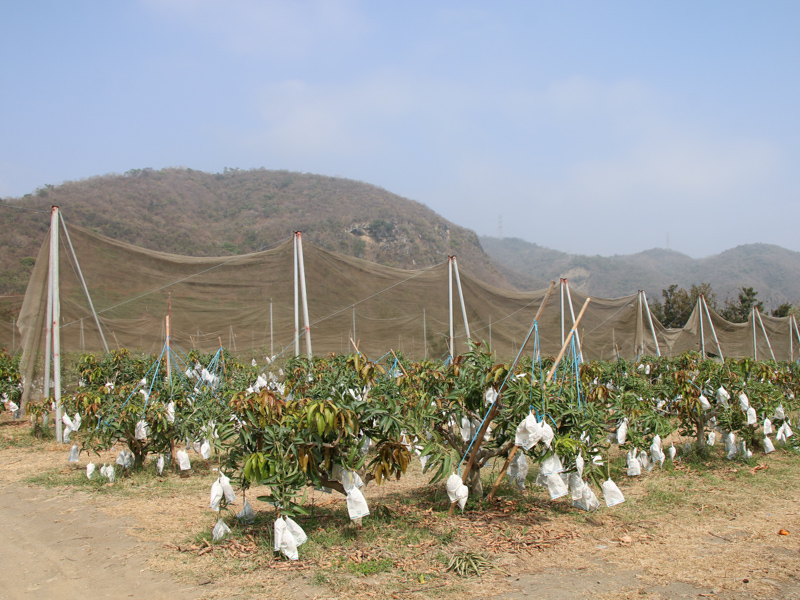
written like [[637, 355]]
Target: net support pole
[[753, 317], [638, 334], [450, 300], [296, 300], [461, 297], [83, 284], [572, 315], [764, 331], [562, 309], [425, 334], [650, 322], [566, 342], [271, 343], [48, 319], [169, 337], [169, 365], [796, 329], [303, 294], [713, 329], [702, 335], [56, 319]]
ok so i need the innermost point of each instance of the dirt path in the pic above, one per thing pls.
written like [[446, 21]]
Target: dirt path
[[57, 545], [680, 534]]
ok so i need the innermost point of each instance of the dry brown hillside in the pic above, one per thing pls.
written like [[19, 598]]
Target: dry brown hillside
[[190, 212]]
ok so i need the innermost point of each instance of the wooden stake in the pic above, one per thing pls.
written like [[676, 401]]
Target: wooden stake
[[499, 479], [399, 363]]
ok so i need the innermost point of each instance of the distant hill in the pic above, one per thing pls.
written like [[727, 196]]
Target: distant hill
[[190, 212], [773, 271]]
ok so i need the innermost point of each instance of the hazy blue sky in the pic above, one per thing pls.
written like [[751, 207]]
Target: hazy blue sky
[[594, 127]]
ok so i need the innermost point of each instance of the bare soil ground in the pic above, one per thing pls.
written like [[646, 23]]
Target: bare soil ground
[[689, 531]]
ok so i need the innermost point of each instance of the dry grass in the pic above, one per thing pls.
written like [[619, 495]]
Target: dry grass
[[712, 529]]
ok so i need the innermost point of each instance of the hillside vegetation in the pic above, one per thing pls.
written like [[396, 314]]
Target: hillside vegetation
[[183, 211]]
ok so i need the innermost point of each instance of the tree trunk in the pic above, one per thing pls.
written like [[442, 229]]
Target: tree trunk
[[173, 453], [699, 423], [475, 484]]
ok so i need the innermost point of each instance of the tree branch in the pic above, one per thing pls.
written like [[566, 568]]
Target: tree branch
[[451, 439], [501, 450]]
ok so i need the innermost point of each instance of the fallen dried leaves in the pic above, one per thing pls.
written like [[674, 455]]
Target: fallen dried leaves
[[513, 539], [231, 548]]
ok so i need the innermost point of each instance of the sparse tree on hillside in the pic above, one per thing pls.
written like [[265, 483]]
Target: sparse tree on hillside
[[679, 303], [784, 310], [738, 311]]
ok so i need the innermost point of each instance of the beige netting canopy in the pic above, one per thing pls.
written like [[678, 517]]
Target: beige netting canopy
[[247, 304]]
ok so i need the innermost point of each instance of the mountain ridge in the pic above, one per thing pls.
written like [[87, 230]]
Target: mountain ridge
[[772, 270], [190, 212]]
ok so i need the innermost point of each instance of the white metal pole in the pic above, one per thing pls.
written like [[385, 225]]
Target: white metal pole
[[562, 311], [296, 301], [83, 284], [796, 329], [753, 316], [48, 337], [450, 299], [764, 331], [271, 343], [169, 364], [650, 321], [56, 321], [713, 329], [461, 297], [425, 334], [303, 294], [355, 339], [791, 340], [572, 315], [613, 342], [639, 329], [702, 337]]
